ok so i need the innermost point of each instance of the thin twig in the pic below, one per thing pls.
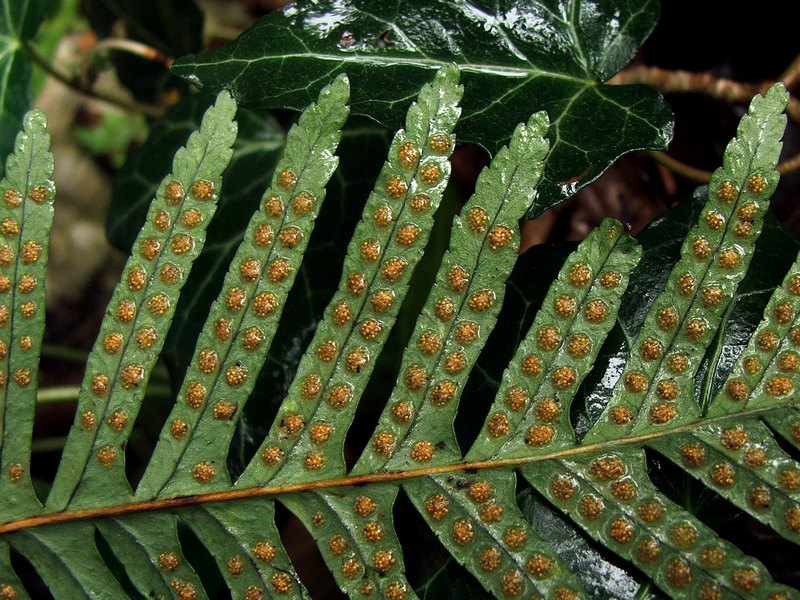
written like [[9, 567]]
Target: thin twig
[[791, 164], [676, 166], [58, 393], [791, 75], [669, 81], [148, 109], [133, 47], [719, 88]]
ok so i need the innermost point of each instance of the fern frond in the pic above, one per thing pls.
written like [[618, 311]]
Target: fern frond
[[577, 313], [240, 326], [139, 315], [531, 413], [460, 311], [148, 541], [786, 422], [656, 389], [765, 374], [26, 215], [355, 533], [307, 438], [65, 557], [733, 445], [612, 499]]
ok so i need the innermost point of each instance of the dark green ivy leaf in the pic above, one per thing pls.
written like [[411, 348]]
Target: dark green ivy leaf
[[18, 23], [515, 57]]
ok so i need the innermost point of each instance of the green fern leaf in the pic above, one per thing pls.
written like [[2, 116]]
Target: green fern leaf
[[386, 246], [355, 533], [560, 349], [25, 219], [460, 311], [612, 499], [147, 541], [678, 328], [96, 538], [243, 320], [139, 316], [786, 422], [66, 558]]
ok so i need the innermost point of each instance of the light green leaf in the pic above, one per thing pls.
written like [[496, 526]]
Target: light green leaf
[[239, 329], [656, 388], [416, 426], [311, 425], [139, 316], [26, 215]]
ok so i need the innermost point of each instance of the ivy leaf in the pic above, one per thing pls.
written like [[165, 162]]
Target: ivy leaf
[[18, 23], [553, 55]]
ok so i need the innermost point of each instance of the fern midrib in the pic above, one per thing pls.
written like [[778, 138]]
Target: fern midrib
[[360, 480]]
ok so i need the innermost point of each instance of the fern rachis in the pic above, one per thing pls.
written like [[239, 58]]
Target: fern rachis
[[600, 482]]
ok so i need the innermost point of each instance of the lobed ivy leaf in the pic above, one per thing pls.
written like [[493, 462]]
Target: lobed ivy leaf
[[558, 52]]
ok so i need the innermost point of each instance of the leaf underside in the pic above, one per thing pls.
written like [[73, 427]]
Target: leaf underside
[[723, 422]]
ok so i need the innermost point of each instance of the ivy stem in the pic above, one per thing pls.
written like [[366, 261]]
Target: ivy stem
[[52, 444], [67, 393], [75, 84], [65, 354], [686, 82], [708, 84], [681, 168], [132, 47]]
